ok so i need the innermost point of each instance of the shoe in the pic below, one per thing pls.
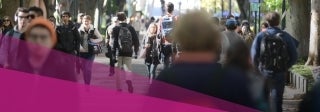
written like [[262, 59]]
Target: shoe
[[130, 87]]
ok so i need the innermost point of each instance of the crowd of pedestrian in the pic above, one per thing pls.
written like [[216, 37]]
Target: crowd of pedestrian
[[220, 58]]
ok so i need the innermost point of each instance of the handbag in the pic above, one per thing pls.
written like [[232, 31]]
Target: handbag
[[143, 53], [94, 48]]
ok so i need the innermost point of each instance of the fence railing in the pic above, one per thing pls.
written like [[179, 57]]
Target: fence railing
[[298, 82]]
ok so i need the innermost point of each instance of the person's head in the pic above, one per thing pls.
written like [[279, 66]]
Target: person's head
[[238, 55], [245, 29], [138, 15], [231, 24], [153, 28], [216, 20], [86, 21], [230, 17], [114, 20], [22, 18], [35, 12], [40, 37], [169, 7], [65, 16], [264, 26], [245, 23], [80, 17], [273, 19], [121, 16], [7, 21], [152, 19], [52, 19], [197, 36]]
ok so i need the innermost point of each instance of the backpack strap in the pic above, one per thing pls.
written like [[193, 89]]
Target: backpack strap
[[266, 34]]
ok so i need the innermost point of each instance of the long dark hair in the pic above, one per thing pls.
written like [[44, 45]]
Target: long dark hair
[[238, 55]]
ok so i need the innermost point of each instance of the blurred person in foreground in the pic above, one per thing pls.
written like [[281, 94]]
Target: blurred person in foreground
[[36, 55], [197, 69]]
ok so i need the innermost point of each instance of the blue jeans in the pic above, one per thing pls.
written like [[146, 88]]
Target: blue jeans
[[275, 89], [86, 66], [152, 70]]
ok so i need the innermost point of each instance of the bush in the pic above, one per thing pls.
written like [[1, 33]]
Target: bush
[[304, 71]]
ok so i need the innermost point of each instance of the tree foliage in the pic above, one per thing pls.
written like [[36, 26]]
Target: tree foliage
[[215, 5], [112, 6], [272, 5]]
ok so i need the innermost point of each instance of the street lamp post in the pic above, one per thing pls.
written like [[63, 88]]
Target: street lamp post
[[222, 8], [259, 16], [230, 6], [283, 22]]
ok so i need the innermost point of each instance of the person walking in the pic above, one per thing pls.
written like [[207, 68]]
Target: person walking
[[168, 47], [238, 62], [109, 43], [35, 12], [137, 23], [150, 45], [9, 43], [273, 52], [126, 45], [7, 25], [229, 37], [68, 40], [247, 34], [89, 37]]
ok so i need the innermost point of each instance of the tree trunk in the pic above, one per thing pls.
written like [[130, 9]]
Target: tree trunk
[[313, 58], [9, 8], [244, 6], [298, 19]]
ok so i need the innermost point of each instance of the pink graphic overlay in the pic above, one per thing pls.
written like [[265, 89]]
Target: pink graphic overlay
[[57, 84]]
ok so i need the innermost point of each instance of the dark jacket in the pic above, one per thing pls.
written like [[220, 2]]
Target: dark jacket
[[291, 44], [152, 52], [135, 39], [68, 38], [9, 46], [311, 102], [210, 79]]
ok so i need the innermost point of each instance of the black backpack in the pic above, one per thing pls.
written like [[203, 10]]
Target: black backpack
[[125, 40], [274, 53]]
